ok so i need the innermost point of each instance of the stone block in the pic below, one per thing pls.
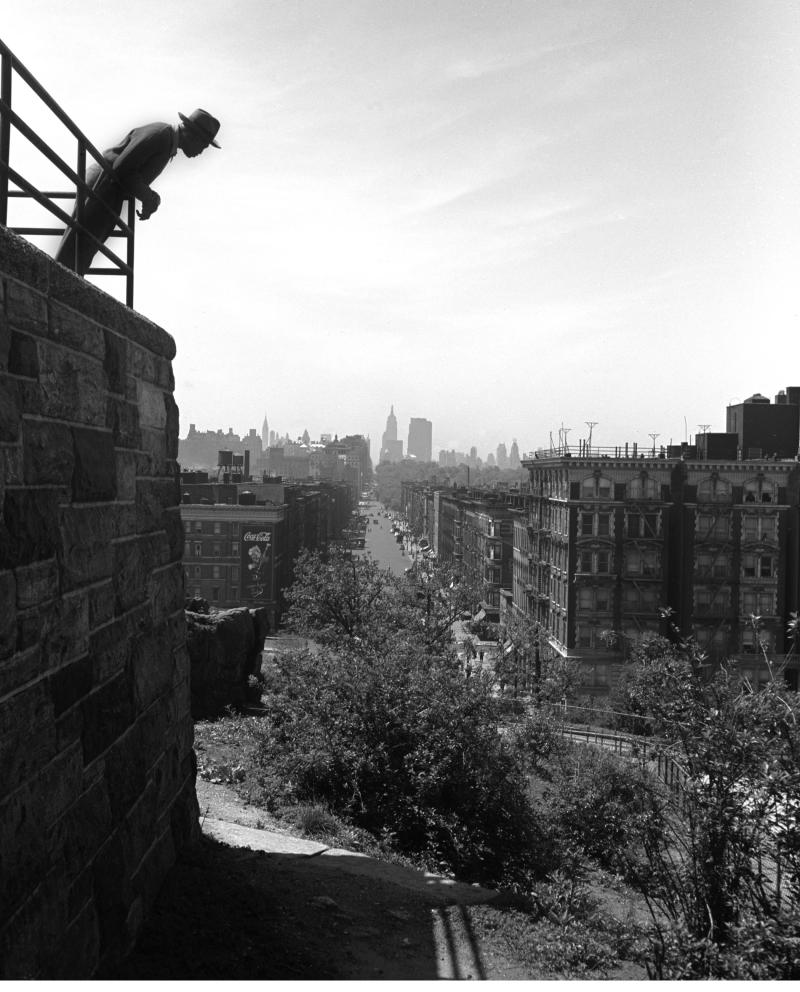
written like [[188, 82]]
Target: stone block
[[23, 355], [36, 583], [116, 362], [101, 604], [38, 925], [27, 735], [72, 387], [132, 567], [126, 474], [74, 329], [94, 478], [78, 952], [112, 896], [21, 261], [125, 778], [172, 426], [173, 527], [152, 666], [85, 551], [107, 714], [110, 649], [10, 410], [12, 465], [168, 591], [5, 335], [122, 417], [8, 615], [48, 457], [152, 406], [153, 497], [29, 527], [70, 684], [26, 308], [141, 364], [22, 667]]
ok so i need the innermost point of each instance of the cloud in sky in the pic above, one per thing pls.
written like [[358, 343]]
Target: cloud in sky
[[501, 216]]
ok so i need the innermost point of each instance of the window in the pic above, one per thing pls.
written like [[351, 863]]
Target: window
[[198, 527], [758, 566], [215, 573], [234, 574], [235, 548], [187, 549], [714, 490], [234, 592], [643, 488], [755, 528], [197, 571], [651, 525], [603, 524], [711, 526], [198, 549], [215, 593], [217, 527], [759, 491], [187, 526], [587, 524], [216, 549], [642, 561], [634, 525], [596, 487]]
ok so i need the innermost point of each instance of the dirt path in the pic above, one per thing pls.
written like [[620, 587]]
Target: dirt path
[[252, 901]]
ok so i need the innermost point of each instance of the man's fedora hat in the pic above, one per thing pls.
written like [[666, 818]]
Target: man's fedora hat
[[203, 124]]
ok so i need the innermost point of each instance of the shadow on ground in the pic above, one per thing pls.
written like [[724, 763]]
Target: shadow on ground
[[234, 913]]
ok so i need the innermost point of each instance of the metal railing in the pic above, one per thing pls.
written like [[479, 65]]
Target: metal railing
[[11, 68]]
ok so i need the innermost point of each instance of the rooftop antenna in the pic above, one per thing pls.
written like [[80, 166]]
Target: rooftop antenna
[[564, 432], [590, 424], [703, 428], [654, 436]]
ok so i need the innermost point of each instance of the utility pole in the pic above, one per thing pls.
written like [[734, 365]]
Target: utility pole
[[590, 424]]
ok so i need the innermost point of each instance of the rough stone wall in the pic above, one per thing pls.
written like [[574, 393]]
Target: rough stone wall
[[96, 763]]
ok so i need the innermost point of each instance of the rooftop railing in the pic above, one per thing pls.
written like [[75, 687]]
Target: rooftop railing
[[11, 123]]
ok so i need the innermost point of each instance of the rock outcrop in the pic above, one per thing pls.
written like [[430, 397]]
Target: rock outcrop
[[224, 651]]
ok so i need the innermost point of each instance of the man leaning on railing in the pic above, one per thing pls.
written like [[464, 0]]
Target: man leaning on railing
[[134, 163]]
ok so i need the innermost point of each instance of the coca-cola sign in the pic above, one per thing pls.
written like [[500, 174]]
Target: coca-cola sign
[[261, 535], [256, 565]]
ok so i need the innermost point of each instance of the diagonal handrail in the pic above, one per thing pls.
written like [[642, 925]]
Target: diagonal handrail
[[10, 65]]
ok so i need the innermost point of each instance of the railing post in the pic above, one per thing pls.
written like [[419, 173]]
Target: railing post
[[5, 134], [129, 239], [80, 203]]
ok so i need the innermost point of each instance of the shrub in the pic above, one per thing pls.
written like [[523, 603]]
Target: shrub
[[601, 804], [406, 746]]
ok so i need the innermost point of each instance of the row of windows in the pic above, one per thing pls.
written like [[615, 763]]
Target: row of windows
[[217, 572], [215, 551], [210, 527], [753, 527]]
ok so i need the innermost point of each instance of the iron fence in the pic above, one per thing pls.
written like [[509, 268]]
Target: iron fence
[[11, 122]]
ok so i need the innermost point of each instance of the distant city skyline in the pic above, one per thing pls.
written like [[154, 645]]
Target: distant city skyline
[[506, 217]]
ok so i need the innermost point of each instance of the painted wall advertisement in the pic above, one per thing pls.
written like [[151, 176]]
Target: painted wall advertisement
[[257, 562]]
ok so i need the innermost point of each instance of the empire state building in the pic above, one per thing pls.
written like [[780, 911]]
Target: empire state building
[[391, 448]]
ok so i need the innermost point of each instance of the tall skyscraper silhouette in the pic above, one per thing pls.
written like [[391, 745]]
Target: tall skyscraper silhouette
[[420, 439], [391, 448], [265, 432]]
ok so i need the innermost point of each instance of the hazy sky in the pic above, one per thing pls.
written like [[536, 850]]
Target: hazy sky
[[503, 216]]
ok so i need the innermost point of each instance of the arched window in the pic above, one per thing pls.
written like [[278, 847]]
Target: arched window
[[759, 491], [643, 487], [596, 487], [714, 490]]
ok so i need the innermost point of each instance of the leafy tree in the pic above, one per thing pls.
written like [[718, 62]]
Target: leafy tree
[[408, 749], [525, 665], [710, 867], [340, 598]]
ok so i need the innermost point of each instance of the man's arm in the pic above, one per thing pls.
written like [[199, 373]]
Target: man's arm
[[142, 158]]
